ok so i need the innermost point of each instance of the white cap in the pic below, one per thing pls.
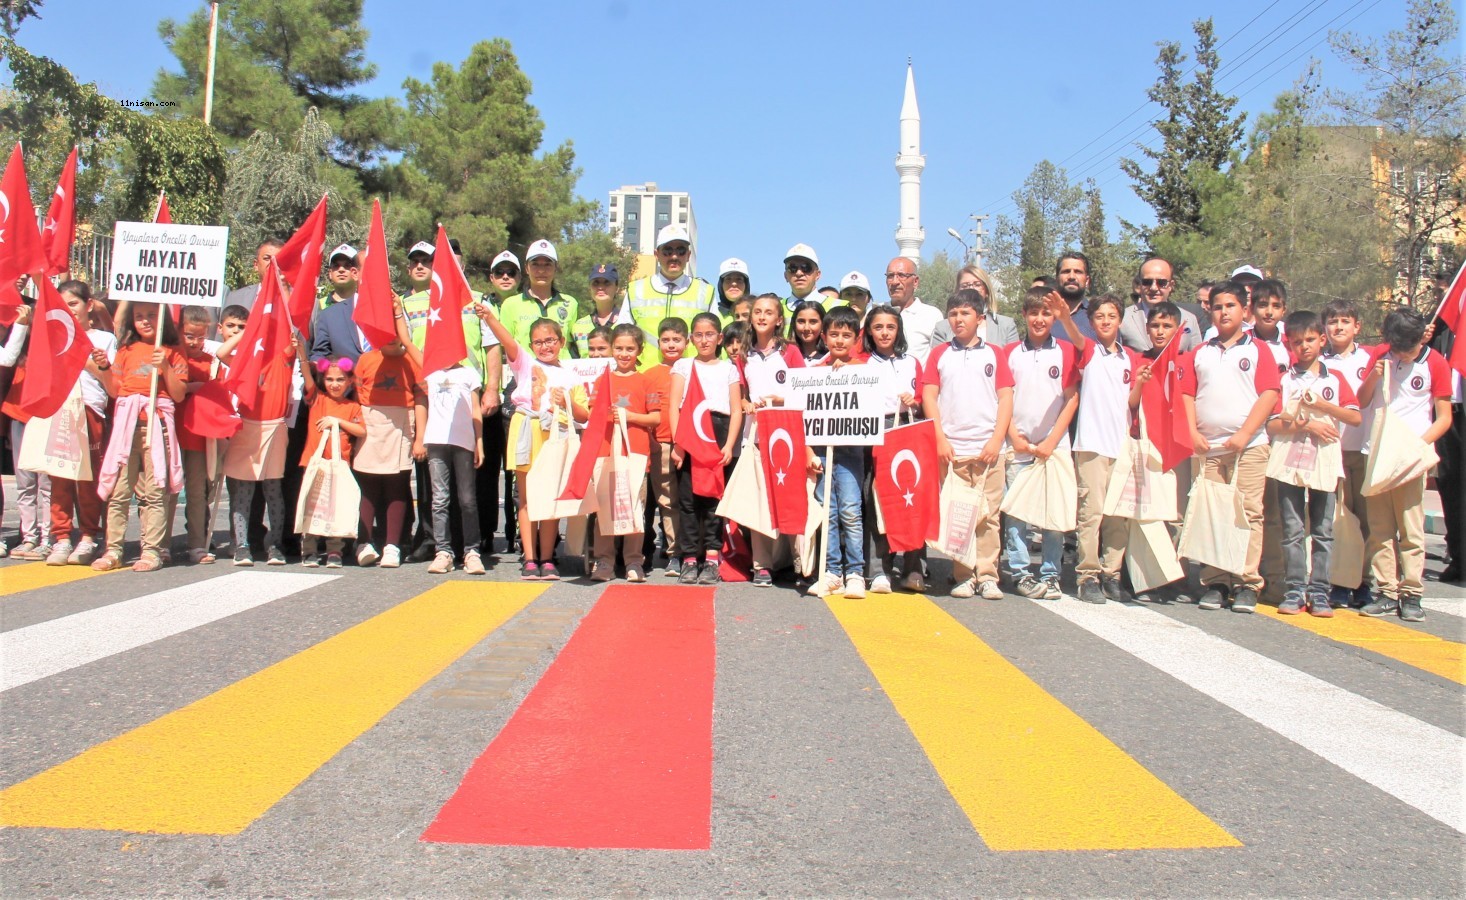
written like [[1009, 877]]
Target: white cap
[[802, 251], [733, 266], [855, 280], [541, 247], [1246, 270], [345, 250], [422, 247], [507, 257], [670, 233]]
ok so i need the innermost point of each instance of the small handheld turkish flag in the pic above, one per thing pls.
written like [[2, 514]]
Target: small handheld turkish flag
[[907, 485], [577, 483], [1166, 425], [373, 313], [59, 231], [782, 445], [266, 339], [1453, 313], [695, 437], [448, 294], [163, 216], [59, 350], [21, 252], [300, 263]]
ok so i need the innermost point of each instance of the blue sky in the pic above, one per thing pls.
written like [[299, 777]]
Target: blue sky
[[781, 118]]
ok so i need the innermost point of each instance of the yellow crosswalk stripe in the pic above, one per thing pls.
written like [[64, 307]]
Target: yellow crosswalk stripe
[[1029, 773], [16, 578], [218, 764], [1399, 642]]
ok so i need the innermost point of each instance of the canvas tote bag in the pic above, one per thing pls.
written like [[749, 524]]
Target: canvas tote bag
[[57, 445], [621, 485], [330, 500], [1397, 455], [1304, 461], [550, 472], [963, 506], [1215, 532], [1151, 557], [1046, 494], [1138, 489]]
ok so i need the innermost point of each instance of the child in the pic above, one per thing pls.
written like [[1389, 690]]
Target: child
[[450, 434], [1351, 362], [805, 331], [1419, 389], [1322, 400], [699, 537], [742, 310], [1269, 306], [1107, 369], [766, 365], [389, 388], [662, 504], [198, 487], [333, 406], [967, 390], [232, 320], [66, 495], [1161, 324], [32, 489], [1228, 391], [1045, 396], [542, 390], [142, 455], [736, 338], [628, 395], [598, 343], [884, 342], [844, 485]]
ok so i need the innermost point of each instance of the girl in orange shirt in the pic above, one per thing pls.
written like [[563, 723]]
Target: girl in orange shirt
[[628, 396], [331, 407]]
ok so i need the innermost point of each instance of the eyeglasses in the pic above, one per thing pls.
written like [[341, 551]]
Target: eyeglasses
[[901, 275], [504, 273], [343, 265], [682, 250], [545, 342], [420, 262], [1156, 282], [799, 268]]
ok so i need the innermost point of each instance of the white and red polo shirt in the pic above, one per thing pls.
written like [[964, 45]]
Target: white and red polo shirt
[[1352, 366], [967, 380], [1105, 377], [1041, 374], [1282, 353], [1226, 382], [1414, 387], [899, 375], [767, 374], [1328, 384]]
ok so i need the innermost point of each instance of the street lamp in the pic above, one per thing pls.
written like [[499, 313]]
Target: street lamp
[[966, 250]]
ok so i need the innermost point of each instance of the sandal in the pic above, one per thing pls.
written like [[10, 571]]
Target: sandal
[[201, 557], [150, 561], [108, 561]]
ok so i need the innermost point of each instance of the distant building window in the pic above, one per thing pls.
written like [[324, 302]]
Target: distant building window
[[1422, 181], [613, 201], [682, 217], [682, 202], [1397, 179], [630, 217], [613, 215]]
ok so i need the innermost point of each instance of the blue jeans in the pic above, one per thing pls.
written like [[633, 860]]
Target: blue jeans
[[844, 535], [1016, 536], [1306, 513]]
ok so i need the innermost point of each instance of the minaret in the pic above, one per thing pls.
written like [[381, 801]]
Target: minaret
[[909, 163]]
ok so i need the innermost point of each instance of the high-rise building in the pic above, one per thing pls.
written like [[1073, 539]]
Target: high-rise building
[[909, 163], [638, 211]]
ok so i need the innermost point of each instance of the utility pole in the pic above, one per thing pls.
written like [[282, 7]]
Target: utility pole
[[209, 66], [979, 231]]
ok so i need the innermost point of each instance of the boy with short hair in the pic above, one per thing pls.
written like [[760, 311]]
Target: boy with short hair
[[232, 320], [1228, 390], [967, 390], [672, 344], [1420, 394], [1161, 324], [1351, 361], [1045, 396], [1269, 307], [198, 488], [843, 486], [1322, 400]]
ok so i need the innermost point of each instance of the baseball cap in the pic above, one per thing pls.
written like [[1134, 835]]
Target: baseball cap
[[1247, 270], [345, 250], [802, 251], [670, 233], [733, 266], [855, 280], [506, 257], [543, 248], [605, 271], [421, 247]]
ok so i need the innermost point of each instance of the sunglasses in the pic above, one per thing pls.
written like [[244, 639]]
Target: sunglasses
[[504, 273], [674, 251], [799, 268], [343, 265], [1155, 282]]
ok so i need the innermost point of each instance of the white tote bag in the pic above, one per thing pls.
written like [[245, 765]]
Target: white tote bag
[[1215, 532], [1346, 555], [963, 506], [1303, 460], [1151, 557], [1046, 494], [746, 496], [1138, 489], [1397, 455], [330, 500], [550, 472], [621, 485], [57, 445]]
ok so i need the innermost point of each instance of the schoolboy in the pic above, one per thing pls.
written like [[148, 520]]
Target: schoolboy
[[1324, 401], [967, 390], [842, 488], [198, 489], [1347, 357], [1228, 391], [1045, 397], [1419, 389], [1269, 306], [672, 344], [1162, 322]]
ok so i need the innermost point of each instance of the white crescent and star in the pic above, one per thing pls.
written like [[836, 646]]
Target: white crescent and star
[[781, 436], [4, 202], [903, 457], [68, 323], [697, 413]]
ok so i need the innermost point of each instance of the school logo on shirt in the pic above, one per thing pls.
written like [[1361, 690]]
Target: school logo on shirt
[[1125, 378], [1053, 371], [1245, 365], [1417, 383], [1362, 370], [1328, 394], [780, 376], [988, 370]]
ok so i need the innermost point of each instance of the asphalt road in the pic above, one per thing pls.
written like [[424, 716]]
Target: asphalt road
[[212, 731]]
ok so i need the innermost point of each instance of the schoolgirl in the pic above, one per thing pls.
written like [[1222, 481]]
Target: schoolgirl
[[333, 406], [806, 331], [629, 395], [884, 343], [766, 366]]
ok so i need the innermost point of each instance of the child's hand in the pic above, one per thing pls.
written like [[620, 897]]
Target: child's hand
[[1379, 368], [1144, 376], [1022, 446], [909, 400], [557, 396], [158, 359], [1042, 450], [727, 455], [99, 357], [326, 422], [1199, 443], [483, 310], [1235, 444], [990, 451], [944, 449], [677, 456], [1323, 430], [419, 452], [24, 316], [1429, 332], [478, 455]]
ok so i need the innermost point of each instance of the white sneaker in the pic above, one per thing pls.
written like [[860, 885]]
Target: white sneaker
[[989, 590], [367, 555], [854, 587], [442, 563], [880, 585], [635, 574], [391, 557], [964, 590], [473, 563], [832, 584], [60, 552]]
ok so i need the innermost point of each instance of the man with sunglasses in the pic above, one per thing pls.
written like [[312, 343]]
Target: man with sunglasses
[[669, 291], [802, 271], [335, 333], [1154, 283]]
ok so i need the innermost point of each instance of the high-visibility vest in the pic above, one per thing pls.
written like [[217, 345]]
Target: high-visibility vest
[[650, 306], [520, 312], [415, 307]]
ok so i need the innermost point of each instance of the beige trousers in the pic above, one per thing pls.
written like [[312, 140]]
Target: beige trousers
[[663, 478], [1101, 537], [989, 480], [1251, 482], [152, 499], [1397, 527]]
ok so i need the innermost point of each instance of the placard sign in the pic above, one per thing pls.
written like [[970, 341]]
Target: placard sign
[[843, 407], [165, 263], [587, 371]]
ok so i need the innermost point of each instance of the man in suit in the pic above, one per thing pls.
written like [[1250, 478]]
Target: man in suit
[[245, 296], [1154, 283]]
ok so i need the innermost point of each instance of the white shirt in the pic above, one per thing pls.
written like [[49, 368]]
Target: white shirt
[[715, 377], [450, 406], [918, 320], [1226, 382], [92, 392], [768, 376], [1040, 376], [899, 375], [1352, 367], [968, 380], [1104, 398], [1413, 387]]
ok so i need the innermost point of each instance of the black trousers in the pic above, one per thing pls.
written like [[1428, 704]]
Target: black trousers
[[1448, 478], [487, 484], [697, 516]]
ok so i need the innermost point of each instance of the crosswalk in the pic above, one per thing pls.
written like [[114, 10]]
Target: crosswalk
[[614, 745]]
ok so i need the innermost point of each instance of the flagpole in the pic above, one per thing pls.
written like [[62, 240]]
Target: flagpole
[[153, 378], [209, 66], [829, 489]]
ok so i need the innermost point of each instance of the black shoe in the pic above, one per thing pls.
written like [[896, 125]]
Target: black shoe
[[1090, 591], [423, 553], [1112, 590], [1410, 610], [1244, 601], [711, 573], [1451, 574], [688, 574], [1214, 598], [762, 578], [1380, 606]]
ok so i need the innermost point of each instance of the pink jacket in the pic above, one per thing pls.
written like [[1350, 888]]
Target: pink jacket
[[163, 444]]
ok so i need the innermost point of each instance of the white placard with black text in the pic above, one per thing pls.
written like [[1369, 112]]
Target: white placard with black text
[[166, 263], [843, 407]]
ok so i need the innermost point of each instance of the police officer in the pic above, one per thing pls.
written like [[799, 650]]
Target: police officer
[[667, 292]]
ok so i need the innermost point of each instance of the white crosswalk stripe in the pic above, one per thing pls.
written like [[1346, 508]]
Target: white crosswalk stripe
[[1452, 606]]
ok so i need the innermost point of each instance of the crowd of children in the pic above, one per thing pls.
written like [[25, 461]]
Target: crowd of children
[[1267, 381]]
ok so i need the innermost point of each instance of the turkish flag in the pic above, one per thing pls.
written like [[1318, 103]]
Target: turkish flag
[[695, 437], [1452, 312], [584, 464], [908, 485], [209, 412], [21, 252], [781, 441], [373, 313], [443, 342], [60, 229], [163, 216], [59, 350], [266, 338], [300, 263], [1165, 419]]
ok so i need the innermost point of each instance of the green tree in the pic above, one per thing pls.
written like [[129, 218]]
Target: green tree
[[1049, 205], [1197, 134], [276, 59], [13, 12], [938, 278]]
